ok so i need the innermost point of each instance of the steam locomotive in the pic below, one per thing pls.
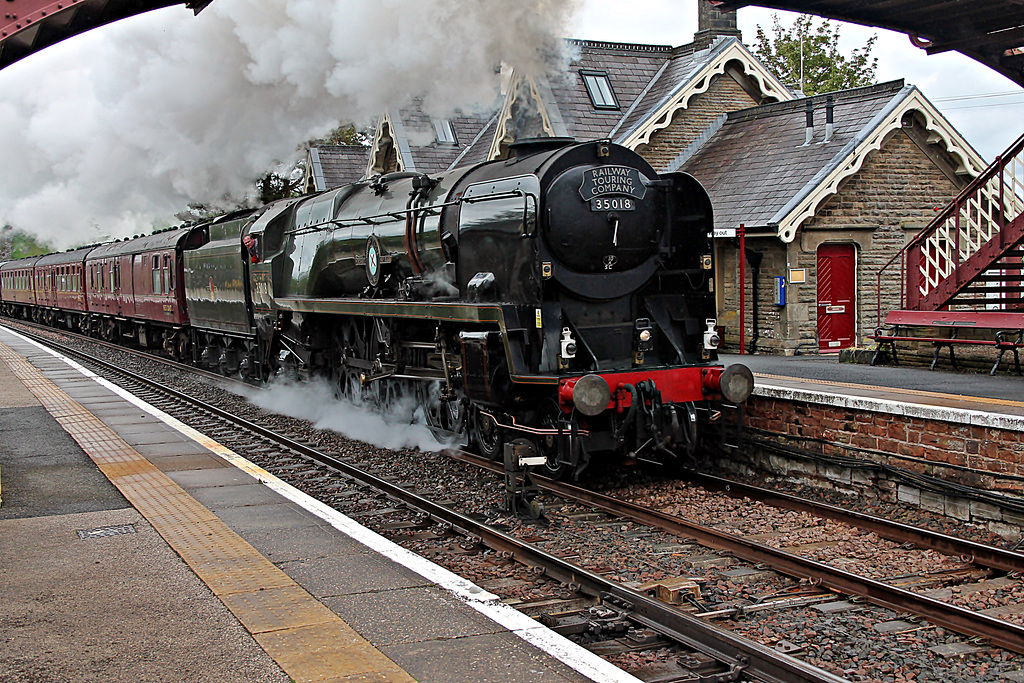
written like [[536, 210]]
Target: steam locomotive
[[556, 305]]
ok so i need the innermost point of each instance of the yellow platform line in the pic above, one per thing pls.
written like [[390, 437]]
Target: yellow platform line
[[306, 639]]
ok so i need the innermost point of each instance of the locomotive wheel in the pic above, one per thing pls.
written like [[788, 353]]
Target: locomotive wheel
[[351, 387], [395, 400], [446, 420], [489, 437], [552, 468]]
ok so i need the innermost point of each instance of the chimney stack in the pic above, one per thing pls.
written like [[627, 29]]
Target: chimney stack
[[711, 24], [830, 106]]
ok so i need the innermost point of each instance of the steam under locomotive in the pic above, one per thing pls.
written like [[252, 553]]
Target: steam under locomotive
[[560, 301]]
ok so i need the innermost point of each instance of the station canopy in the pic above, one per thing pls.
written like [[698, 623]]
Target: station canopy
[[991, 32]]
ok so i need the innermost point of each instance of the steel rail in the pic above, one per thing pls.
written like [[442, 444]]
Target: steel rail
[[738, 653], [971, 552], [13, 323], [998, 632]]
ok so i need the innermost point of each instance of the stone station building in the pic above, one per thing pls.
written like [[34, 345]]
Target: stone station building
[[825, 206]]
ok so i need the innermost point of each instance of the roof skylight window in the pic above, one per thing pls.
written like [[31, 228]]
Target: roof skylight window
[[600, 89], [444, 132]]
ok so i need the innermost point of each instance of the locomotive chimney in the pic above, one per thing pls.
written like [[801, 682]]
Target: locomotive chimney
[[830, 106], [711, 24], [810, 122]]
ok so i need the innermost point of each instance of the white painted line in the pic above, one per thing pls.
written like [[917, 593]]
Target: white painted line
[[530, 630]]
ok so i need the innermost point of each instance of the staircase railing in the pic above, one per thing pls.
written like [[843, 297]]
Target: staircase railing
[[932, 266]]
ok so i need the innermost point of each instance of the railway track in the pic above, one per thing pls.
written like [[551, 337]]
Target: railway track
[[719, 654], [621, 614], [943, 613]]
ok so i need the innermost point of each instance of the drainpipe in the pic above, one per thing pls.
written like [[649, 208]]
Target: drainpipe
[[743, 287], [754, 258]]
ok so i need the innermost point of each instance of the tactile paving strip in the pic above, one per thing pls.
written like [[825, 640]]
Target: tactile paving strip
[[307, 640]]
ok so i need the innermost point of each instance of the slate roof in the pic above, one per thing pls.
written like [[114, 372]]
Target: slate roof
[[337, 165], [644, 77], [630, 69], [756, 166], [682, 66], [476, 150], [428, 155]]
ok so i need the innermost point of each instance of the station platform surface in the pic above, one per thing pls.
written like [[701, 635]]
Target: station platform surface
[[134, 549], [942, 394]]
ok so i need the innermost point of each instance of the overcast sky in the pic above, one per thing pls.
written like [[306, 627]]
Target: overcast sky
[[110, 133]]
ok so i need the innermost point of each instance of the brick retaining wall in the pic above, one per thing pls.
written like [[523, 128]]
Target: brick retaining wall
[[878, 453]]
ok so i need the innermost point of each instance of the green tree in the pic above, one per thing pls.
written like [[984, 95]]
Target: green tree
[[284, 183], [807, 57], [346, 134], [274, 185], [16, 244]]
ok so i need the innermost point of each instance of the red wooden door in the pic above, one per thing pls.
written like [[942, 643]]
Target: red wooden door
[[837, 296]]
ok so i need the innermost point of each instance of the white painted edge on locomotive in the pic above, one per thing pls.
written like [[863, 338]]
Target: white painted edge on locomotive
[[486, 603]]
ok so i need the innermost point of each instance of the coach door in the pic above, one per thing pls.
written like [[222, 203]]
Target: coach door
[[837, 291]]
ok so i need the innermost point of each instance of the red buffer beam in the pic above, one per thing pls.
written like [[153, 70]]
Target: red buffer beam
[[31, 25]]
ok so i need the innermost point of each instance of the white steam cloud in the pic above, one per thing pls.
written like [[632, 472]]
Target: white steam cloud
[[169, 108], [315, 401]]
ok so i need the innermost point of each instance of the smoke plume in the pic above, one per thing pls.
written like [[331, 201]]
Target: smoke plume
[[113, 131], [402, 427]]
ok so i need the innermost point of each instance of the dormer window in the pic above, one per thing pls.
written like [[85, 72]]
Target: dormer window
[[444, 132], [600, 89]]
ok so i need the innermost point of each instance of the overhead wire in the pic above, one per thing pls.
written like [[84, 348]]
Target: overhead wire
[[981, 96]]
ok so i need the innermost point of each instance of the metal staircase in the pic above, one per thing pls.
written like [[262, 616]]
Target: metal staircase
[[971, 257]]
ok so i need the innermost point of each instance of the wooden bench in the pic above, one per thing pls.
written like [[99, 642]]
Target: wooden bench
[[1007, 333]]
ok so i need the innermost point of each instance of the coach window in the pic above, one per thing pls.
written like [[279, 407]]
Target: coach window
[[168, 275], [156, 275], [600, 89]]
